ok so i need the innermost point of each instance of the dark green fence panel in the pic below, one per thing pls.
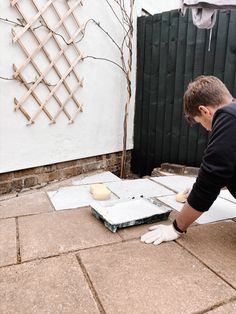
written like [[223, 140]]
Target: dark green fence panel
[[171, 53]]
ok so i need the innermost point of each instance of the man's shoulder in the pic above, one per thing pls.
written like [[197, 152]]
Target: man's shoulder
[[228, 109], [231, 109]]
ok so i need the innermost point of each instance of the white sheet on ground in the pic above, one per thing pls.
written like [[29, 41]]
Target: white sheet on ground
[[102, 177], [72, 197], [220, 210], [176, 183], [145, 188]]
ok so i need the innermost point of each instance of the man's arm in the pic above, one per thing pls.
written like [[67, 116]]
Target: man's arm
[[187, 216]]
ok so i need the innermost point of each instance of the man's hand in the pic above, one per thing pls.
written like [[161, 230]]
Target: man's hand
[[159, 234]]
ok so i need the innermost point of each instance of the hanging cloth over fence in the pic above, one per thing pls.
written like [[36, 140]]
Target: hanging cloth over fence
[[204, 12]]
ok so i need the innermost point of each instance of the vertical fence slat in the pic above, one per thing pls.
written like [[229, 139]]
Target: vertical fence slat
[[179, 87], [146, 92], [219, 66], [160, 113], [198, 62], [170, 84], [156, 33], [230, 61], [136, 158]]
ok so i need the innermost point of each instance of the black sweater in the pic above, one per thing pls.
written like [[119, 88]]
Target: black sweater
[[218, 168]]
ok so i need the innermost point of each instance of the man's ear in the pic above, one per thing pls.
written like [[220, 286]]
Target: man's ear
[[204, 110]]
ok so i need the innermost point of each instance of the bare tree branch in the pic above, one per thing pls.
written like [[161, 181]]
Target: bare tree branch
[[105, 59], [20, 80], [6, 20], [115, 14]]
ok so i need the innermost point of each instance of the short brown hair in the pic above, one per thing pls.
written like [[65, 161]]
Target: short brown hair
[[206, 91]]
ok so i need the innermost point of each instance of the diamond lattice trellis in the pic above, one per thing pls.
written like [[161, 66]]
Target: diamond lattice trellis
[[56, 26]]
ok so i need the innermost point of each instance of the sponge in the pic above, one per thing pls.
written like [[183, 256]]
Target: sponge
[[100, 192], [181, 197]]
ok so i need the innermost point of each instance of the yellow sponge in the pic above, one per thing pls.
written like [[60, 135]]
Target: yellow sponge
[[181, 197], [100, 192]]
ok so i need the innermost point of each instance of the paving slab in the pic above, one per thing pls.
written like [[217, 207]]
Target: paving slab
[[128, 189], [73, 197], [102, 177], [215, 245], [8, 251], [176, 183], [221, 209], [133, 277], [229, 308], [227, 195], [55, 285], [25, 205], [54, 233]]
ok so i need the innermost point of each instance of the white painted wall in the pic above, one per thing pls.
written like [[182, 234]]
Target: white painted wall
[[158, 6], [98, 130]]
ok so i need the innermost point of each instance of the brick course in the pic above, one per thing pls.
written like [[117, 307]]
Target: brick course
[[39, 176]]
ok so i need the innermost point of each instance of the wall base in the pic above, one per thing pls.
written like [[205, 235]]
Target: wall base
[[39, 176]]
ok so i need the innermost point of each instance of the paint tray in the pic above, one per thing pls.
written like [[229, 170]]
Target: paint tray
[[124, 213]]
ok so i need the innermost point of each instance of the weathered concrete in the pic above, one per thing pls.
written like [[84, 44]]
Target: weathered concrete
[[8, 251], [54, 233], [215, 245], [133, 277], [33, 203], [229, 308], [55, 285]]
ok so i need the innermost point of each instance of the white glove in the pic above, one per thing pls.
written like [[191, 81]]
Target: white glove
[[159, 234]]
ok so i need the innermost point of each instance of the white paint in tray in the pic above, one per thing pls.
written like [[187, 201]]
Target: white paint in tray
[[118, 212]]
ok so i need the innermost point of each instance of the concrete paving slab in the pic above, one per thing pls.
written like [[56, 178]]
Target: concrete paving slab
[[229, 308], [141, 278], [8, 251], [215, 245], [220, 210], [54, 285], [176, 183], [102, 177], [33, 203], [129, 189], [133, 232], [73, 197], [227, 195], [54, 233]]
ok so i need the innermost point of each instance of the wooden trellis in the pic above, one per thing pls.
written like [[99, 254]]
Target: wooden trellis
[[63, 43]]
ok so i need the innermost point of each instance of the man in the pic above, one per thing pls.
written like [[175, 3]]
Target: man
[[206, 101]]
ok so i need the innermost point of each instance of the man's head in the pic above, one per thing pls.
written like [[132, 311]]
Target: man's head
[[203, 97]]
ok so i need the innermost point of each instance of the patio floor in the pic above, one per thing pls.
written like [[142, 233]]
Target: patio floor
[[68, 262]]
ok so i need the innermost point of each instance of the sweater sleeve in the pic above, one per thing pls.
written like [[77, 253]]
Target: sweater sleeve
[[218, 164]]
